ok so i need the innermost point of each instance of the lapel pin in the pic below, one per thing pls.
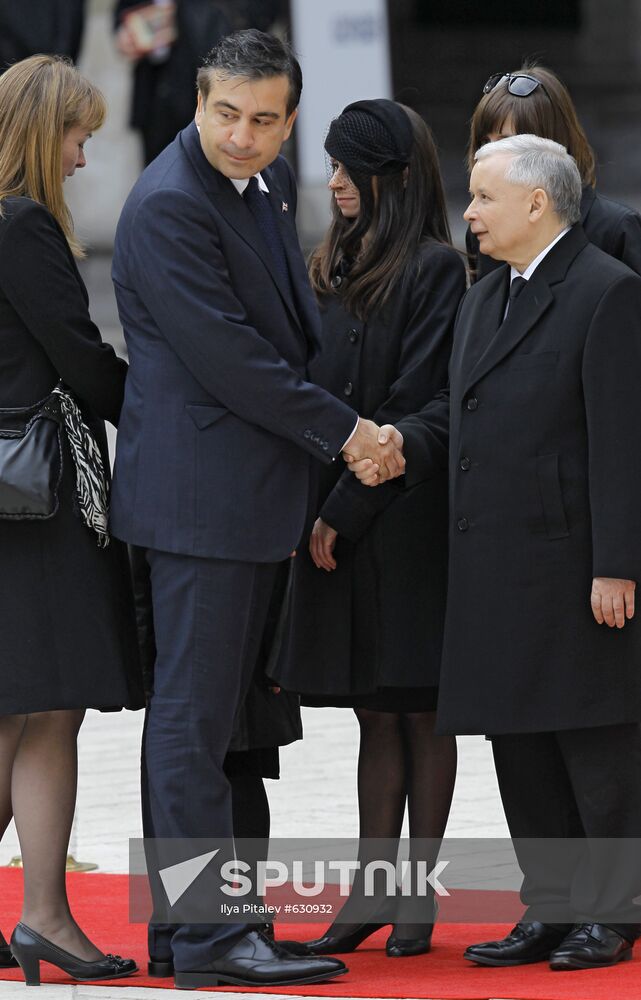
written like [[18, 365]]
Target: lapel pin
[[284, 207]]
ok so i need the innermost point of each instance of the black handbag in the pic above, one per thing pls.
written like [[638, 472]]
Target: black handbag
[[30, 460]]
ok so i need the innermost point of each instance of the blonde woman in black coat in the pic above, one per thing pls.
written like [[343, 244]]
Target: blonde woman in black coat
[[368, 591], [67, 632]]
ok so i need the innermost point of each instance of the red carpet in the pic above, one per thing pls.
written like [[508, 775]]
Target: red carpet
[[100, 903]]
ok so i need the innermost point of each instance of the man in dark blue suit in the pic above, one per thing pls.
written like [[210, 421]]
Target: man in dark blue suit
[[217, 434]]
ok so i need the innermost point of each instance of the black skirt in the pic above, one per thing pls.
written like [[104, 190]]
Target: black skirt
[[67, 628], [384, 699]]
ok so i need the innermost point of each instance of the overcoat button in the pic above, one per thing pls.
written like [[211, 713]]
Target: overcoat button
[[463, 524], [465, 464], [353, 335], [349, 388], [472, 403]]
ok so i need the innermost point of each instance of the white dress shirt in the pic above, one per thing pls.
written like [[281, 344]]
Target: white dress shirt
[[531, 268]]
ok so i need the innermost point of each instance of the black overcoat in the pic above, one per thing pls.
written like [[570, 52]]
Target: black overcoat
[[545, 494], [377, 620], [67, 632], [608, 224]]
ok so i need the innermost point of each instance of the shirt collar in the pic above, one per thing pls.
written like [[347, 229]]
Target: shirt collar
[[242, 185], [531, 268]]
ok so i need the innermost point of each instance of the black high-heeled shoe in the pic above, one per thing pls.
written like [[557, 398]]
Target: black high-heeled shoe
[[332, 943], [30, 949], [397, 947]]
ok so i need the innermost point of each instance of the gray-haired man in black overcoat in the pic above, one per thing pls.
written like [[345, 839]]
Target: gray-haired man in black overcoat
[[542, 647]]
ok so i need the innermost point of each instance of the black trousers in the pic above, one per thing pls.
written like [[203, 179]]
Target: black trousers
[[209, 617], [583, 784]]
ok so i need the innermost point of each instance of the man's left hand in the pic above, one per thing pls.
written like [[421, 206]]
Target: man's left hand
[[612, 600]]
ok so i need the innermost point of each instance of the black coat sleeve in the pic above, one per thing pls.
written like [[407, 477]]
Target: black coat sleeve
[[426, 343], [611, 375], [426, 435], [627, 246], [40, 280]]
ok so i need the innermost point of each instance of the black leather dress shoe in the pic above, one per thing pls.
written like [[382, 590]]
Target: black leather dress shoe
[[590, 946], [526, 943], [159, 968], [163, 968], [257, 961], [7, 961]]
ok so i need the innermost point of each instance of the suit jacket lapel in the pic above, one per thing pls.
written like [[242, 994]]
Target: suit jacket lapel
[[527, 310], [231, 205], [483, 322], [305, 299]]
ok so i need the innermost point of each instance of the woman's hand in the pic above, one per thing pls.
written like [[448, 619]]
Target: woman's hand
[[321, 545]]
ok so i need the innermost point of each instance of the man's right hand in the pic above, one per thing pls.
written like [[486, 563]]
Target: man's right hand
[[378, 450]]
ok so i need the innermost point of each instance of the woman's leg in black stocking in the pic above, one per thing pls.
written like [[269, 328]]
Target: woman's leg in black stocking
[[11, 727], [381, 774], [43, 793], [381, 803], [430, 770], [250, 810]]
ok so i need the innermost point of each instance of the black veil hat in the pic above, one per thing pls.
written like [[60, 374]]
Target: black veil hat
[[371, 138]]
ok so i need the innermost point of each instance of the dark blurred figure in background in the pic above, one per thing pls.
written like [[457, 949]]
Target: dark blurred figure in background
[[53, 27], [533, 101], [167, 45]]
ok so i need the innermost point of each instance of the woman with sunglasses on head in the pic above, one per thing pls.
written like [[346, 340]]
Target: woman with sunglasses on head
[[368, 590], [67, 629], [533, 101]]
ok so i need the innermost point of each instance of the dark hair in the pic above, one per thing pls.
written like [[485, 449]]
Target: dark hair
[[547, 112], [409, 209], [256, 55]]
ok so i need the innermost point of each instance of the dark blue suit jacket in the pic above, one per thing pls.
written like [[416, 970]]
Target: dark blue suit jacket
[[218, 424]]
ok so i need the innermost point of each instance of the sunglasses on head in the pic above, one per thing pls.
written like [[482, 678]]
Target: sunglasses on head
[[518, 84]]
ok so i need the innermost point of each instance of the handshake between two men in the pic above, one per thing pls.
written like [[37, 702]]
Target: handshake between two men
[[375, 454]]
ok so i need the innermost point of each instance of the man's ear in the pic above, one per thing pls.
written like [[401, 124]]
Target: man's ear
[[200, 108], [289, 124], [539, 202]]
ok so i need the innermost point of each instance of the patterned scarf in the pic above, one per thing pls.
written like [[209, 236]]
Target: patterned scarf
[[91, 482]]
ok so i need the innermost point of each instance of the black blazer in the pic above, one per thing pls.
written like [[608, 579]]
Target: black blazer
[[545, 492], [377, 620], [66, 618], [614, 228], [219, 423], [45, 329]]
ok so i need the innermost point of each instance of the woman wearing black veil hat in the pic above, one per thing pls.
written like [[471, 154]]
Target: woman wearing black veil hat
[[368, 592]]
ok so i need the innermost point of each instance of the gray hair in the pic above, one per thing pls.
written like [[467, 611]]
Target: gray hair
[[541, 163]]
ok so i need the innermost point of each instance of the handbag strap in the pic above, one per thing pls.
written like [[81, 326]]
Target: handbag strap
[[91, 481]]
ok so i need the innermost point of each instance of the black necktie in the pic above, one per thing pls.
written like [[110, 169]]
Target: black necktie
[[260, 207], [516, 287]]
